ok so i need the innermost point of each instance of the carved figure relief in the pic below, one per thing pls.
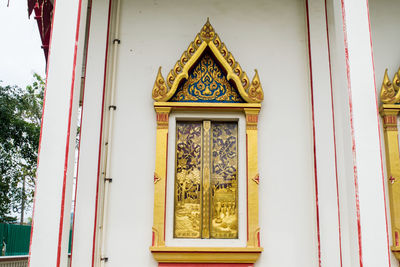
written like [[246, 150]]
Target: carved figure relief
[[206, 185]]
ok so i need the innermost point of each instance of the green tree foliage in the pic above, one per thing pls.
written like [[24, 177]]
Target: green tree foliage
[[20, 115]]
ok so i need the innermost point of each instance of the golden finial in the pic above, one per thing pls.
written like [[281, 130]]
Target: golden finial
[[389, 92], [255, 91], [159, 88], [207, 33], [396, 81]]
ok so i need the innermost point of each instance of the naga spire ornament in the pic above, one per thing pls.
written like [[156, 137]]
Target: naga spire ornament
[[390, 93], [207, 32]]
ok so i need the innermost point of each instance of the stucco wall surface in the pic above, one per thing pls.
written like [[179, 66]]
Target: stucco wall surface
[[270, 36]]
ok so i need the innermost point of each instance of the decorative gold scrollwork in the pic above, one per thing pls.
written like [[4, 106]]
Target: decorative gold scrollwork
[[390, 93], [207, 32], [159, 88], [255, 92]]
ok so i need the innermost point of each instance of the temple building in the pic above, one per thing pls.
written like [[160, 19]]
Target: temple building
[[219, 133]]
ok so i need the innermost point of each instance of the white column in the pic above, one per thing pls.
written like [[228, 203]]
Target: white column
[[367, 177], [325, 150], [52, 203], [84, 238]]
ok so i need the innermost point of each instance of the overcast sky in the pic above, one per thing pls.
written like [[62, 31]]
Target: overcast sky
[[21, 54]]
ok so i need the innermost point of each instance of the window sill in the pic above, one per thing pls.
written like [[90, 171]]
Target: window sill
[[206, 254]]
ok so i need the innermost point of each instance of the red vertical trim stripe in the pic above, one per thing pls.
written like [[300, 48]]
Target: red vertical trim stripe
[[81, 126], [60, 233], [313, 131], [334, 134]]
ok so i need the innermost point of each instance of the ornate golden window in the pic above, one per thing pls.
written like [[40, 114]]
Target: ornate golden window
[[206, 180], [210, 184]]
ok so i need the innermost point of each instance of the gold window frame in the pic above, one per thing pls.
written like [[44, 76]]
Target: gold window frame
[[252, 94], [389, 111]]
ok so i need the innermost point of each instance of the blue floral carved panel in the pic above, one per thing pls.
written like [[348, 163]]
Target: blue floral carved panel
[[207, 82]]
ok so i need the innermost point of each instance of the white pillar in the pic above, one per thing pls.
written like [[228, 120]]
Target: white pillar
[[52, 203], [84, 234], [325, 151], [372, 235]]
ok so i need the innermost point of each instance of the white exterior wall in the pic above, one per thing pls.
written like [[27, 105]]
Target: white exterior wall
[[271, 36], [385, 19], [268, 36]]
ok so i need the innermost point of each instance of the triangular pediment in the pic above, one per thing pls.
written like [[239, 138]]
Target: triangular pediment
[[207, 82], [207, 72]]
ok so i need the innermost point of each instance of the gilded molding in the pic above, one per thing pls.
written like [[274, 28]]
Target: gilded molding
[[206, 254], [206, 178], [207, 38], [155, 237], [389, 115]]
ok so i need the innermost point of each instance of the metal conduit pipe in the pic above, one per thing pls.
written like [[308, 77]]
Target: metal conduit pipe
[[108, 143]]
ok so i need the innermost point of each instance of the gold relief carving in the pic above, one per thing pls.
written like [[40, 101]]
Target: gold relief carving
[[209, 199], [208, 39], [255, 91], [159, 88], [224, 183], [188, 180], [207, 32], [390, 93]]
